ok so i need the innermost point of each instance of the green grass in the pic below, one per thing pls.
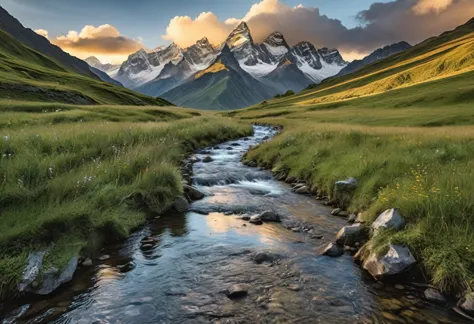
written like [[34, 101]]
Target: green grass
[[81, 184], [404, 128], [27, 75]]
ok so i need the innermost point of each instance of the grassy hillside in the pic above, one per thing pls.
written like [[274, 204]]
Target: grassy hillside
[[404, 128], [28, 75], [78, 176]]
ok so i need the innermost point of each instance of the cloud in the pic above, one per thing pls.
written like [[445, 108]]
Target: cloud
[[185, 31], [42, 32], [102, 41], [425, 6], [381, 24]]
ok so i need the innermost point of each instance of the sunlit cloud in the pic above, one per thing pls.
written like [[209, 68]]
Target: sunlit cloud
[[42, 32], [104, 41]]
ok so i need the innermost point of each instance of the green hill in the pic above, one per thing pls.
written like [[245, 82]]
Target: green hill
[[28, 75]]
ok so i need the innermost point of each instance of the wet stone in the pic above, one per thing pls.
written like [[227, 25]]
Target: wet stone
[[237, 291], [104, 257], [207, 159], [87, 262], [332, 250], [262, 257]]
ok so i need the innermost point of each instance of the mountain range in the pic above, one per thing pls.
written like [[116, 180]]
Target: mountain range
[[209, 77]]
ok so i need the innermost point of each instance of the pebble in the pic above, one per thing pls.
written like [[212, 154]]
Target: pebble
[[104, 257], [87, 263]]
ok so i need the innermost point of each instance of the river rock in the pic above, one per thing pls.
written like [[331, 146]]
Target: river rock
[[235, 144], [395, 261], [352, 218], [270, 216], [193, 193], [32, 269], [344, 190], [207, 159], [434, 295], [87, 262], [336, 211], [103, 257], [256, 220], [302, 190], [350, 235], [389, 219], [290, 179], [252, 164], [264, 256], [181, 205], [52, 278], [237, 291], [332, 250], [467, 303]]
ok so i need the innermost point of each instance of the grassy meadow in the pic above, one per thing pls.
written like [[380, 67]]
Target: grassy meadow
[[404, 128], [78, 176]]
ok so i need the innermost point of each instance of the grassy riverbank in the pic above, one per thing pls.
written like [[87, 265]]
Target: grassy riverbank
[[77, 176], [404, 128]]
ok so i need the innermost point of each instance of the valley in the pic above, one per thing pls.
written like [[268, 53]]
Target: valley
[[240, 182]]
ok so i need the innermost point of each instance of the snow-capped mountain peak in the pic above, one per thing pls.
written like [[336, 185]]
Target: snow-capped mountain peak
[[239, 37]]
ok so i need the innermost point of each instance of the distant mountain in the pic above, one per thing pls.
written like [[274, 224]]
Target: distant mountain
[[110, 69], [377, 55], [142, 66], [287, 76], [223, 85], [31, 39], [195, 58]]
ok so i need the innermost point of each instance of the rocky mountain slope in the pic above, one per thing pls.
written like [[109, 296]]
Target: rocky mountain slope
[[110, 69], [375, 56], [223, 85]]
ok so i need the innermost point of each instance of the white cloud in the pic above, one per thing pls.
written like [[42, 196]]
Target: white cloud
[[42, 32], [427, 6]]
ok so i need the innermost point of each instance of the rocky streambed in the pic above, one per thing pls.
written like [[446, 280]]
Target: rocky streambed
[[249, 251]]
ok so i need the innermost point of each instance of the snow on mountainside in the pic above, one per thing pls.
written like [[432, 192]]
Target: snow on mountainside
[[142, 67], [110, 69], [194, 59]]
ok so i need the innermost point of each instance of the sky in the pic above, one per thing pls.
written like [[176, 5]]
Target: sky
[[113, 29]]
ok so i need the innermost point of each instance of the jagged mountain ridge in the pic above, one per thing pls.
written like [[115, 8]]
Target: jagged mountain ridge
[[375, 56], [110, 69], [223, 85]]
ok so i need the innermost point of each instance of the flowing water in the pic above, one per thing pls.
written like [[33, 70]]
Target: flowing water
[[184, 275]]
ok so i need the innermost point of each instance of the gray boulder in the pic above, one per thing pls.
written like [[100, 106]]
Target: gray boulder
[[344, 190], [350, 235], [52, 278], [207, 159], [336, 211], [332, 250], [181, 205], [395, 261], [434, 295], [32, 269], [304, 190], [389, 219], [193, 193], [270, 216], [467, 303]]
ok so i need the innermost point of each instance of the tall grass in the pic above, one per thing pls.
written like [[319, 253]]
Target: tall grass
[[81, 184]]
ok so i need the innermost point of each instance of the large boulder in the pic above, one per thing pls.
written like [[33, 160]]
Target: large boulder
[[332, 250], [52, 278], [181, 205], [467, 303], [395, 261], [389, 219], [193, 193], [350, 235], [270, 216]]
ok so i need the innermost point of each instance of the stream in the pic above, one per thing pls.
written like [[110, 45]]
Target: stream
[[195, 257]]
